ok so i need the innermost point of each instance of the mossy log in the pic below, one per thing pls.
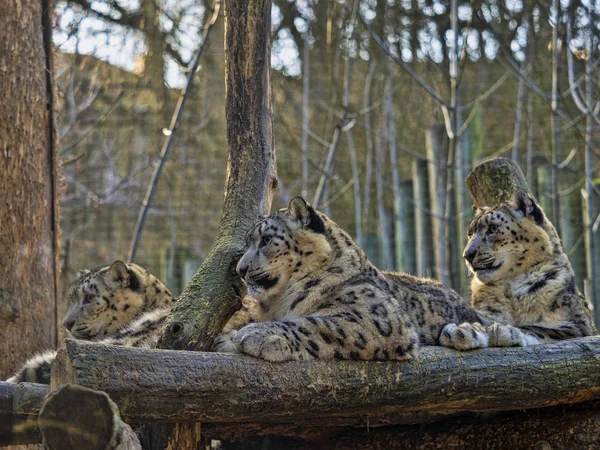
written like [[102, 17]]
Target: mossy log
[[75, 418]]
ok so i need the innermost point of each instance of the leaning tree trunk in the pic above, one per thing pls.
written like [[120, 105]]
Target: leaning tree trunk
[[28, 177], [215, 292]]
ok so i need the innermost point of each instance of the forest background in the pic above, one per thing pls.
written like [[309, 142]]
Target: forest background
[[381, 109]]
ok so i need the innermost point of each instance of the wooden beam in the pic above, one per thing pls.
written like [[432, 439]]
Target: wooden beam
[[151, 385]]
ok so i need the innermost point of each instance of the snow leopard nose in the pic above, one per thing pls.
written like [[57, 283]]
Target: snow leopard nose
[[242, 269], [68, 323], [469, 254]]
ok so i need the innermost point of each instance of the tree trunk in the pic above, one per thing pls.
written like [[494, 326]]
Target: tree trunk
[[554, 117], [28, 183], [390, 118], [591, 198], [436, 143], [215, 291], [369, 143], [305, 109], [423, 231], [386, 255]]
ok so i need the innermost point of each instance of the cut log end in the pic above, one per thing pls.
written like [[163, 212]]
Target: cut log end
[[74, 417], [495, 181]]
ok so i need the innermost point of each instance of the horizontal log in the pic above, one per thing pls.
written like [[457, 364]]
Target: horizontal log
[[556, 427], [19, 406], [173, 386]]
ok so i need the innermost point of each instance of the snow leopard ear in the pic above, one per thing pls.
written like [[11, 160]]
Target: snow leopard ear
[[81, 273], [117, 275], [303, 212], [527, 207]]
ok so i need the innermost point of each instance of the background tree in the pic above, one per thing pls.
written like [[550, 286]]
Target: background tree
[[29, 230]]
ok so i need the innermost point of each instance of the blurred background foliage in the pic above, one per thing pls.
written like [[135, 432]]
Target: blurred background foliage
[[404, 96]]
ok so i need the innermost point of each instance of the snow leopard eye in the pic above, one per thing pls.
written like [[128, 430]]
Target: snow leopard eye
[[88, 299], [492, 229], [265, 240]]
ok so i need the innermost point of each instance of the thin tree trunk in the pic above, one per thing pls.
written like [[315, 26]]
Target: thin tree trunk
[[320, 193], [436, 144], [29, 231], [591, 240], [445, 181], [518, 117], [390, 118], [358, 212], [530, 136], [215, 292], [554, 119], [385, 249], [369, 142], [407, 230], [423, 232], [305, 110], [530, 99]]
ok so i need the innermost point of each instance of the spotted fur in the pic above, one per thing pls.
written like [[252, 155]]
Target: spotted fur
[[523, 281], [319, 297], [121, 304]]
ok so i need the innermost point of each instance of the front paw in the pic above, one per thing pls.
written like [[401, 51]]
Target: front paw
[[261, 341], [466, 336], [505, 336], [225, 343]]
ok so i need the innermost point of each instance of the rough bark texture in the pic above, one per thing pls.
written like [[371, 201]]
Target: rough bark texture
[[212, 387], [215, 291], [28, 176], [493, 182], [75, 418]]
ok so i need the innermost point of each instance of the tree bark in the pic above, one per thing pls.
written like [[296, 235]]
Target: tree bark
[[495, 181], [212, 387], [29, 229], [75, 418], [215, 292]]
